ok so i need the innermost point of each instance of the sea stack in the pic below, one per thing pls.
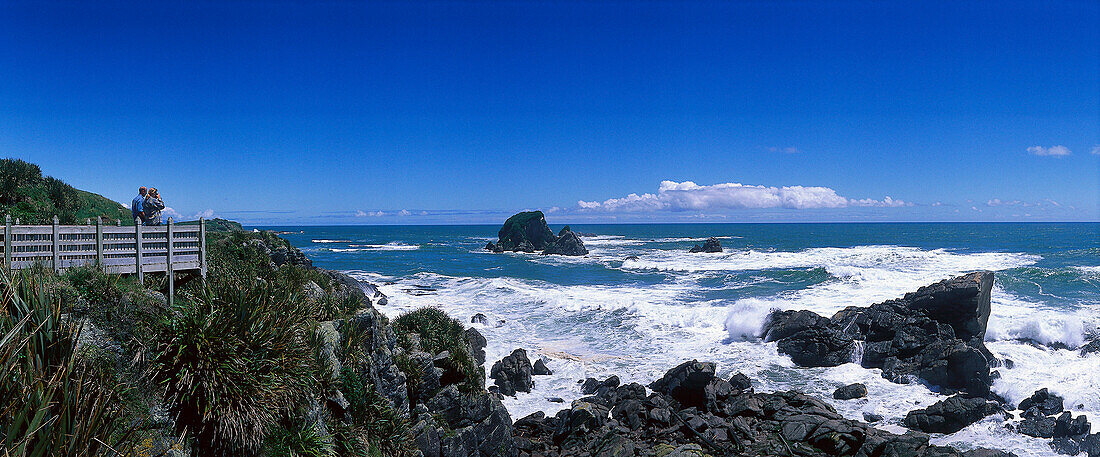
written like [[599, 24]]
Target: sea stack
[[528, 232], [710, 245]]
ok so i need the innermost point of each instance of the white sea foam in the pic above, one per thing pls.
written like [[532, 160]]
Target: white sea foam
[[394, 246], [330, 241], [638, 332]]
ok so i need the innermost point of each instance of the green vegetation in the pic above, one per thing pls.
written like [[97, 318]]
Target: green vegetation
[[53, 404], [35, 199], [376, 427], [438, 332], [231, 362], [218, 224], [513, 228]]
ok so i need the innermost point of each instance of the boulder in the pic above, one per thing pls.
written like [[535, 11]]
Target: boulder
[[1046, 402], [850, 392], [693, 384], [479, 318], [916, 336], [1090, 348], [1036, 424], [493, 247], [1068, 426], [476, 343], [711, 244], [567, 243], [540, 369], [513, 373], [950, 415]]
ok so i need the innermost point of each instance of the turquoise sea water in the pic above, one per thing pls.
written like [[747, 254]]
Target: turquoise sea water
[[639, 303]]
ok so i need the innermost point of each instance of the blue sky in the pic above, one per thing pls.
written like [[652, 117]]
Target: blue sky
[[463, 112]]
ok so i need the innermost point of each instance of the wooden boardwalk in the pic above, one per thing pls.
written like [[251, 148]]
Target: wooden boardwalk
[[117, 250]]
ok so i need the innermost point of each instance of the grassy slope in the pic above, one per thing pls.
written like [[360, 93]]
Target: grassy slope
[[35, 199]]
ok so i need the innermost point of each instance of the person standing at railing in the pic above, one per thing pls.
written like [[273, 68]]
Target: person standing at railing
[[152, 206], [137, 207]]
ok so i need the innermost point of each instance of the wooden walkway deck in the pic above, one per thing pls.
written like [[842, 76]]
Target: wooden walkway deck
[[118, 250]]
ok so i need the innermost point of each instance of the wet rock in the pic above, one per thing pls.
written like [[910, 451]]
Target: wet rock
[[850, 392], [693, 384], [1046, 402], [540, 369], [1036, 424], [871, 417], [493, 247], [593, 386], [513, 373], [711, 244], [479, 319], [476, 343], [1065, 446], [567, 243], [1066, 425], [950, 415], [914, 336], [1091, 348]]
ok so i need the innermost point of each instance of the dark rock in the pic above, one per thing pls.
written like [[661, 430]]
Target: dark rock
[[911, 337], [631, 257], [850, 392], [871, 417], [1009, 364], [526, 231], [490, 246], [1047, 402], [1091, 445], [476, 343], [582, 418], [1036, 424], [961, 302], [1090, 348], [818, 347], [950, 415], [555, 400], [540, 369], [567, 243], [741, 383], [1067, 425], [513, 373], [1065, 446], [710, 245], [479, 319], [693, 384]]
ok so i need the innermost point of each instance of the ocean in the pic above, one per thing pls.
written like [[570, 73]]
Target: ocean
[[640, 304]]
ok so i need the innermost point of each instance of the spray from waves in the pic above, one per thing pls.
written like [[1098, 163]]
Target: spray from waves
[[1014, 318], [394, 246], [330, 241]]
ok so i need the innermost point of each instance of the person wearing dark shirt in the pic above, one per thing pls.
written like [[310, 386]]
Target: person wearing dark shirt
[[137, 207]]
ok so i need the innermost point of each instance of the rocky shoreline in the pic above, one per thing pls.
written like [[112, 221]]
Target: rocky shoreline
[[933, 335]]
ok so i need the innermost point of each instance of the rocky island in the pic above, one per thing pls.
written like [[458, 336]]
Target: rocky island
[[528, 232]]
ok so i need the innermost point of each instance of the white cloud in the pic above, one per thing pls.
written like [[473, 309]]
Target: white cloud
[[376, 213], [689, 196], [360, 213], [423, 213], [205, 214], [403, 212], [1095, 150], [169, 212], [1053, 151]]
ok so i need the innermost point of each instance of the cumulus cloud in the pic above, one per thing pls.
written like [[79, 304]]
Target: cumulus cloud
[[172, 213], [1053, 151], [205, 214], [689, 196], [361, 213], [1095, 150], [403, 212]]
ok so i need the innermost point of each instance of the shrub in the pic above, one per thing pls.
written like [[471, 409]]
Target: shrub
[[231, 362], [51, 403], [298, 440], [374, 422], [438, 332]]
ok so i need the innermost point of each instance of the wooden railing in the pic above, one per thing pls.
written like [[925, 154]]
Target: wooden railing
[[117, 250]]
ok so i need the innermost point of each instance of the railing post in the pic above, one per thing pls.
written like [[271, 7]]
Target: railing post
[[56, 256], [137, 250], [202, 247], [171, 270], [7, 241], [99, 244]]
